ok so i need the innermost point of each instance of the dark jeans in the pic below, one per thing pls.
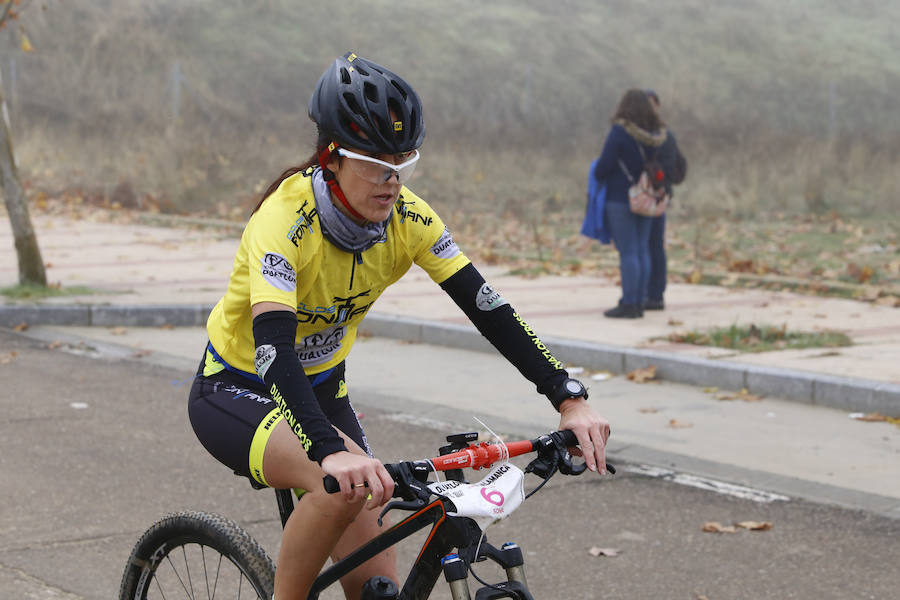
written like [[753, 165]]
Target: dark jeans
[[656, 285], [631, 234]]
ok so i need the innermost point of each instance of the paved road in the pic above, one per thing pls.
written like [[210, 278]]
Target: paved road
[[95, 449]]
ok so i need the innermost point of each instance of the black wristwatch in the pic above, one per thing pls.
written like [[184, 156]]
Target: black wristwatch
[[569, 388]]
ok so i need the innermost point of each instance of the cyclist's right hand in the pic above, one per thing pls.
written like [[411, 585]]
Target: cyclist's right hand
[[360, 477]]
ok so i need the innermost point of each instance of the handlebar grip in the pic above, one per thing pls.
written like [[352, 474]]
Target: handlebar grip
[[331, 484], [569, 440]]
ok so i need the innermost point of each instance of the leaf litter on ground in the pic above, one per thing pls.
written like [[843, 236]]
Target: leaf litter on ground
[[643, 375], [716, 527]]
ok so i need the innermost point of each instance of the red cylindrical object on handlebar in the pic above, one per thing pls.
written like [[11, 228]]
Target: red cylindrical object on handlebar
[[482, 455]]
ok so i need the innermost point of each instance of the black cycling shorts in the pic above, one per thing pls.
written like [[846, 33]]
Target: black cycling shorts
[[233, 416]]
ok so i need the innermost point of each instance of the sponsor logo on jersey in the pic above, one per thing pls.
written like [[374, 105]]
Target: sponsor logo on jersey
[[265, 356], [319, 347], [445, 247], [487, 299], [302, 225], [343, 311], [406, 213], [278, 272]]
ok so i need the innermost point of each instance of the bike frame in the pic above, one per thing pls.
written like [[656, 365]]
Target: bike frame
[[447, 532]]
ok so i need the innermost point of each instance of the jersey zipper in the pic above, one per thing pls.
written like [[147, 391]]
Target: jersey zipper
[[357, 260]]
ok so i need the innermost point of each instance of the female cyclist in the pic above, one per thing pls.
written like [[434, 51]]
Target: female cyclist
[[270, 400]]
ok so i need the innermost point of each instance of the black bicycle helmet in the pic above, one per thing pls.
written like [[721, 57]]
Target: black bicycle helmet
[[353, 102]]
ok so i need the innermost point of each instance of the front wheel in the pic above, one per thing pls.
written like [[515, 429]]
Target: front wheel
[[197, 555]]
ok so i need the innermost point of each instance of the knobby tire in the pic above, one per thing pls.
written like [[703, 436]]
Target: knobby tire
[[197, 555]]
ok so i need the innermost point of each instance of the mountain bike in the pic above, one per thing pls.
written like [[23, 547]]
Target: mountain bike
[[202, 555]]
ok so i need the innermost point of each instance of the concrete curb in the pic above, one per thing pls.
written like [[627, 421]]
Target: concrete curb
[[845, 393]]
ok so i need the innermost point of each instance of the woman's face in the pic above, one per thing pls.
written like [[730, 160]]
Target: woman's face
[[374, 201]]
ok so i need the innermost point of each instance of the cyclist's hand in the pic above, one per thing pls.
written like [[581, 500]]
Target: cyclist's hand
[[360, 477], [591, 429]]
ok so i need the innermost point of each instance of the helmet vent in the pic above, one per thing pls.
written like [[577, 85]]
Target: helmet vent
[[345, 76], [399, 88], [371, 92], [354, 107]]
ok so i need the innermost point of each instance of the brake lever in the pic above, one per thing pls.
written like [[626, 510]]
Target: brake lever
[[410, 505]]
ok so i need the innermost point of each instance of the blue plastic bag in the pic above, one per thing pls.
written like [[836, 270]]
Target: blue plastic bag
[[593, 225]]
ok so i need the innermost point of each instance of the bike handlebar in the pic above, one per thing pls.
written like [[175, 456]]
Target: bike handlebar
[[475, 456]]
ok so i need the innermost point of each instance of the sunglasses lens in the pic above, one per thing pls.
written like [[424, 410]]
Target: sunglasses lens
[[377, 171]]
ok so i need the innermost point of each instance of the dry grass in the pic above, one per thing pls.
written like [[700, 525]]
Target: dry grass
[[777, 105]]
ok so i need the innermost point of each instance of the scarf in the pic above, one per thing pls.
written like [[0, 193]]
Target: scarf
[[654, 139], [338, 228]]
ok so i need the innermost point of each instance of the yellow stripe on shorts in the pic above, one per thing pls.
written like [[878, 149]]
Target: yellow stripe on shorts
[[258, 445]]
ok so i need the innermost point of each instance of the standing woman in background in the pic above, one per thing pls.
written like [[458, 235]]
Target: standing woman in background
[[636, 134]]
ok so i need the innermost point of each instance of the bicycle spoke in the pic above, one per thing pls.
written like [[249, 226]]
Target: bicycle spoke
[[177, 574], [187, 569], [218, 570]]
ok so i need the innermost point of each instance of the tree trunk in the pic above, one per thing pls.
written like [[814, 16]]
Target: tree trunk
[[31, 266]]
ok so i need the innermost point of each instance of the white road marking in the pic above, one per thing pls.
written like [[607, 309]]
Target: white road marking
[[712, 485]]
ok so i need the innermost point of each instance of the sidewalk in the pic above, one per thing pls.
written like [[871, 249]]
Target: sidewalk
[[145, 275]]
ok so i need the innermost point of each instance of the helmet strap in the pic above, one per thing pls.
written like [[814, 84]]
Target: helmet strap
[[324, 157]]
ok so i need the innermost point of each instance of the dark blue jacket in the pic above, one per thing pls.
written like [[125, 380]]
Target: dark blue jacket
[[620, 145]]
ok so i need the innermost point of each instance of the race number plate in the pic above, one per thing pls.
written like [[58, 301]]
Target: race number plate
[[491, 499]]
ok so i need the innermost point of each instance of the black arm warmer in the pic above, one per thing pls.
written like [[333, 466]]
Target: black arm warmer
[[279, 367], [505, 329]]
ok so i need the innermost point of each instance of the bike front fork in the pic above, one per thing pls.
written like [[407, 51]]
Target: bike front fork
[[508, 556]]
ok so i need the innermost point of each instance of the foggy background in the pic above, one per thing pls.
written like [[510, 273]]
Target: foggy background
[[196, 105]]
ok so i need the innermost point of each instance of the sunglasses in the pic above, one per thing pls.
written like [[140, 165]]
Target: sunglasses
[[378, 171]]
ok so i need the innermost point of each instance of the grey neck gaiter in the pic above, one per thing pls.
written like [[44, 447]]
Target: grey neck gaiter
[[340, 229]]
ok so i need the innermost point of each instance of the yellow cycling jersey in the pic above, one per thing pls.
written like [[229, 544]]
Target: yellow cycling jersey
[[283, 257]]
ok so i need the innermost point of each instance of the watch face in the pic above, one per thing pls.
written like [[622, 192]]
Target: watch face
[[573, 387]]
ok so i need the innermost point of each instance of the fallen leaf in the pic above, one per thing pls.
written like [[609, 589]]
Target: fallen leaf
[[869, 417], [716, 527], [648, 410], [755, 525], [595, 551], [702, 597], [643, 375], [695, 277], [744, 395], [675, 322], [54, 345], [118, 331], [8, 358], [167, 326], [710, 390], [141, 353], [21, 326], [676, 424]]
